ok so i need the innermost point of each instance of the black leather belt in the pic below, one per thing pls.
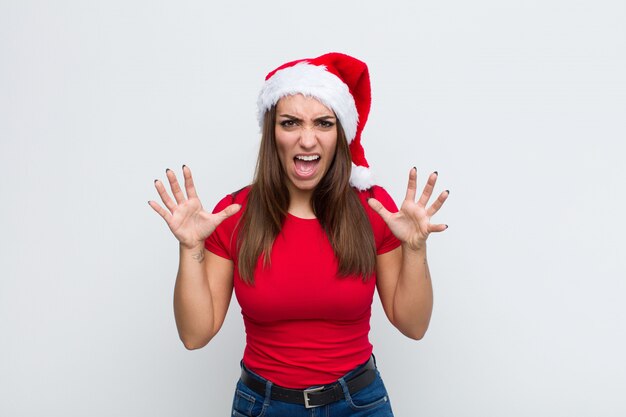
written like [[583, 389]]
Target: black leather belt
[[318, 396]]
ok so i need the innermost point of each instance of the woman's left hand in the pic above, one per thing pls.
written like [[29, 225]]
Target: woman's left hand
[[411, 224]]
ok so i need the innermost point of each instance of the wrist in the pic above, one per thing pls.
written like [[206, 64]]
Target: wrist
[[196, 252], [191, 247], [417, 248]]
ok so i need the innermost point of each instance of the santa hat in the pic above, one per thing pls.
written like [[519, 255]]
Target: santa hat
[[338, 81]]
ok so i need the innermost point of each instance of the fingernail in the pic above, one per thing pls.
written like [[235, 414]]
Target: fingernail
[[184, 166], [446, 226], [436, 173], [415, 168], [155, 181], [448, 191]]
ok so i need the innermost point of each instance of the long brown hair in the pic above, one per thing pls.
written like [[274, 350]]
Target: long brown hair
[[335, 204]]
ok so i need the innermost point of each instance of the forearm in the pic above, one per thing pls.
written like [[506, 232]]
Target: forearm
[[193, 304], [413, 297]]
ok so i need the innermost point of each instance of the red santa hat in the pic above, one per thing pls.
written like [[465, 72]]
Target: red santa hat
[[338, 81]]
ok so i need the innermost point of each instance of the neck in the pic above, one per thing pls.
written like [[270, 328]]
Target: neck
[[300, 204]]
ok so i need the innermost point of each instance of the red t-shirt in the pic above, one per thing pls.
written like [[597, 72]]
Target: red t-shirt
[[305, 325]]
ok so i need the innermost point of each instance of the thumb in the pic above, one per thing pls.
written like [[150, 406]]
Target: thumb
[[227, 212], [378, 207]]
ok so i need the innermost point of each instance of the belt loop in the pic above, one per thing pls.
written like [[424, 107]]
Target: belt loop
[[344, 388], [268, 393]]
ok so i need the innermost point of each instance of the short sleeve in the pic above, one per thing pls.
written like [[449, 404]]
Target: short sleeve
[[385, 239], [219, 242]]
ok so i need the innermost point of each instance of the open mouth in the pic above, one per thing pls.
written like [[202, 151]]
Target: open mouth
[[306, 165]]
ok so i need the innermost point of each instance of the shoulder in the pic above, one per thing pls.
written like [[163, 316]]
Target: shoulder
[[241, 195], [383, 237], [236, 197], [221, 241], [380, 194]]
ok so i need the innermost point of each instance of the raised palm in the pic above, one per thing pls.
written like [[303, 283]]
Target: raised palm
[[184, 215], [411, 224]]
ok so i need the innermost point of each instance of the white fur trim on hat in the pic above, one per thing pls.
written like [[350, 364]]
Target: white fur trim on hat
[[361, 177], [314, 81]]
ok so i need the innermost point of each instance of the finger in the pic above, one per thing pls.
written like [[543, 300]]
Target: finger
[[165, 197], [178, 193], [226, 213], [162, 212], [411, 188], [189, 185], [378, 207], [428, 189], [436, 228], [434, 208]]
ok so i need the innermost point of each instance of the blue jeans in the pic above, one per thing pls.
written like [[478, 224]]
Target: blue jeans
[[371, 401]]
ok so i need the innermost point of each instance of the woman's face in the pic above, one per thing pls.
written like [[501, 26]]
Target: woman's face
[[306, 139]]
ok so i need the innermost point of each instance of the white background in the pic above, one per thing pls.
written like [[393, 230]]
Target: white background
[[520, 106]]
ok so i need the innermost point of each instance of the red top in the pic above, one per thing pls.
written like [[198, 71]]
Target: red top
[[305, 325]]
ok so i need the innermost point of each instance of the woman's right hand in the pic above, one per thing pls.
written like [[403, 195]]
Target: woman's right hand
[[185, 217]]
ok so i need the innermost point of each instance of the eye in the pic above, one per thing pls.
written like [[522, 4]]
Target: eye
[[326, 124], [288, 123]]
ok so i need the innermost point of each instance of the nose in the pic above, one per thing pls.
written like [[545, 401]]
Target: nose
[[308, 137]]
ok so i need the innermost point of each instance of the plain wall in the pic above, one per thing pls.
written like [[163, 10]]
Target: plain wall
[[520, 106]]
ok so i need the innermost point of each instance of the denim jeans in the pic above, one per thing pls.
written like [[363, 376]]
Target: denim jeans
[[371, 401]]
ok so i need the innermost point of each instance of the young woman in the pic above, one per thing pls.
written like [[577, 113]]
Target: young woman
[[303, 248]]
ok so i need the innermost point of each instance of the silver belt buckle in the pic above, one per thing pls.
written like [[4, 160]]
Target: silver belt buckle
[[306, 393]]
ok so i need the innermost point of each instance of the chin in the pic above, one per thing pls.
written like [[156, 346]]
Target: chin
[[305, 185]]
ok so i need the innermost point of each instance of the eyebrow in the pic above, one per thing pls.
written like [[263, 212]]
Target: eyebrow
[[289, 116]]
